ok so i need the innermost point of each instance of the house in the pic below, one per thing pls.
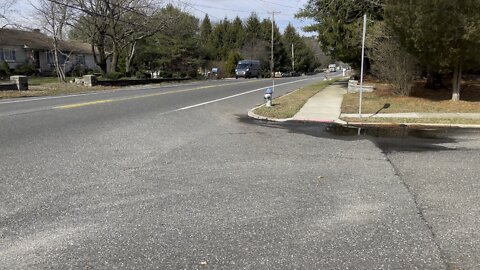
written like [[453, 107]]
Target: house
[[18, 47]]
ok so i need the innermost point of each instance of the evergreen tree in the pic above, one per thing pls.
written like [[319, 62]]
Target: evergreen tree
[[175, 51], [232, 60], [304, 56], [205, 30], [339, 25], [205, 35], [280, 57], [238, 32], [219, 40], [252, 27], [444, 34], [255, 47]]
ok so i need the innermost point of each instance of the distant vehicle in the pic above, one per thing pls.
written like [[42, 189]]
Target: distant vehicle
[[332, 68], [248, 69]]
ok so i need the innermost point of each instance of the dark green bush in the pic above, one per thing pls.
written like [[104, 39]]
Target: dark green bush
[[114, 75], [25, 69], [141, 75], [4, 70]]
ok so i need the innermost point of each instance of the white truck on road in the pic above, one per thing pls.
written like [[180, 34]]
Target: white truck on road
[[332, 68]]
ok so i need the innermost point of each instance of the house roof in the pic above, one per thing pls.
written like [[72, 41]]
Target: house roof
[[39, 41]]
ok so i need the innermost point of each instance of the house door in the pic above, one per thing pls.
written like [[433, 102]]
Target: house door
[[36, 56]]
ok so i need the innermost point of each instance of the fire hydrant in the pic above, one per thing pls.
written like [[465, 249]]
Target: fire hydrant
[[268, 96]]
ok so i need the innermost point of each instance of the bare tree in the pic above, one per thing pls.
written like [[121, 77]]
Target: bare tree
[[145, 22], [390, 61], [112, 26], [6, 9], [55, 17]]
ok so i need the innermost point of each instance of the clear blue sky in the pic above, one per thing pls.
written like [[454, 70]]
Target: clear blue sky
[[217, 10]]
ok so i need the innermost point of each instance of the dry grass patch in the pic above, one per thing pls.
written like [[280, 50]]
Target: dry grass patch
[[422, 100], [288, 105], [38, 89]]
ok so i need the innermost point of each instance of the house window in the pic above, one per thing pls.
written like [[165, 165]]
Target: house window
[[80, 60], [51, 58], [8, 55]]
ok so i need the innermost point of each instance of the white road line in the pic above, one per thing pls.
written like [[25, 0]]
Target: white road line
[[233, 96]]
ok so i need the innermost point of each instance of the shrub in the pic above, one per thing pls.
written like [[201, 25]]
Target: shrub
[[4, 70], [390, 61], [140, 75], [114, 75], [25, 69], [232, 60], [78, 71]]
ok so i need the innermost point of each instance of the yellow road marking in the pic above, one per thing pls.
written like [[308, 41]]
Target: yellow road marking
[[76, 105], [84, 104]]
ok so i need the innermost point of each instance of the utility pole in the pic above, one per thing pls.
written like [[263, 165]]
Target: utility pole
[[271, 50], [293, 59]]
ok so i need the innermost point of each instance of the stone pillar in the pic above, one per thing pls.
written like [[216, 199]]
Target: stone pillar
[[20, 81], [89, 80], [352, 84]]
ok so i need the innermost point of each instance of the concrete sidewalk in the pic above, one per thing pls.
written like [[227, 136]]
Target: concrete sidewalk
[[325, 106]]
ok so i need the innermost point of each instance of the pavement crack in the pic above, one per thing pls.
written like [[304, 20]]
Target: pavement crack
[[443, 256]]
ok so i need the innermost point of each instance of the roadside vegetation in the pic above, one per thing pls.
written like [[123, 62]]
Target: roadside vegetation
[[45, 87], [140, 39], [421, 100], [403, 41], [288, 105]]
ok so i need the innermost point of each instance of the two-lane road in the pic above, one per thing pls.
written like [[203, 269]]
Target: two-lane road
[[178, 177]]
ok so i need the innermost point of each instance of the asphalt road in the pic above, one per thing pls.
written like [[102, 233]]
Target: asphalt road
[[178, 177]]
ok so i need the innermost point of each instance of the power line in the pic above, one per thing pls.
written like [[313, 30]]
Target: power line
[[217, 8], [257, 2], [281, 5], [197, 9]]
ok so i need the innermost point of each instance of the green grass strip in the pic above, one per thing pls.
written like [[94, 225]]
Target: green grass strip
[[288, 105]]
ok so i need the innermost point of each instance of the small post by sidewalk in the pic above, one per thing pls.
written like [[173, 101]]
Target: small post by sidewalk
[[21, 82]]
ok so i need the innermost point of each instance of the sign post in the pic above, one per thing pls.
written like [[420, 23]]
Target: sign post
[[361, 69]]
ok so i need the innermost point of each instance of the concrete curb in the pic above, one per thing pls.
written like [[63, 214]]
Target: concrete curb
[[283, 120], [259, 117], [358, 124], [410, 125], [292, 120]]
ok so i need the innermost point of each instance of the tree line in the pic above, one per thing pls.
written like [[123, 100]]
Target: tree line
[[189, 44], [405, 38], [140, 37]]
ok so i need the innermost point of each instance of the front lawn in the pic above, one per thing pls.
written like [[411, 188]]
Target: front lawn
[[422, 100]]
